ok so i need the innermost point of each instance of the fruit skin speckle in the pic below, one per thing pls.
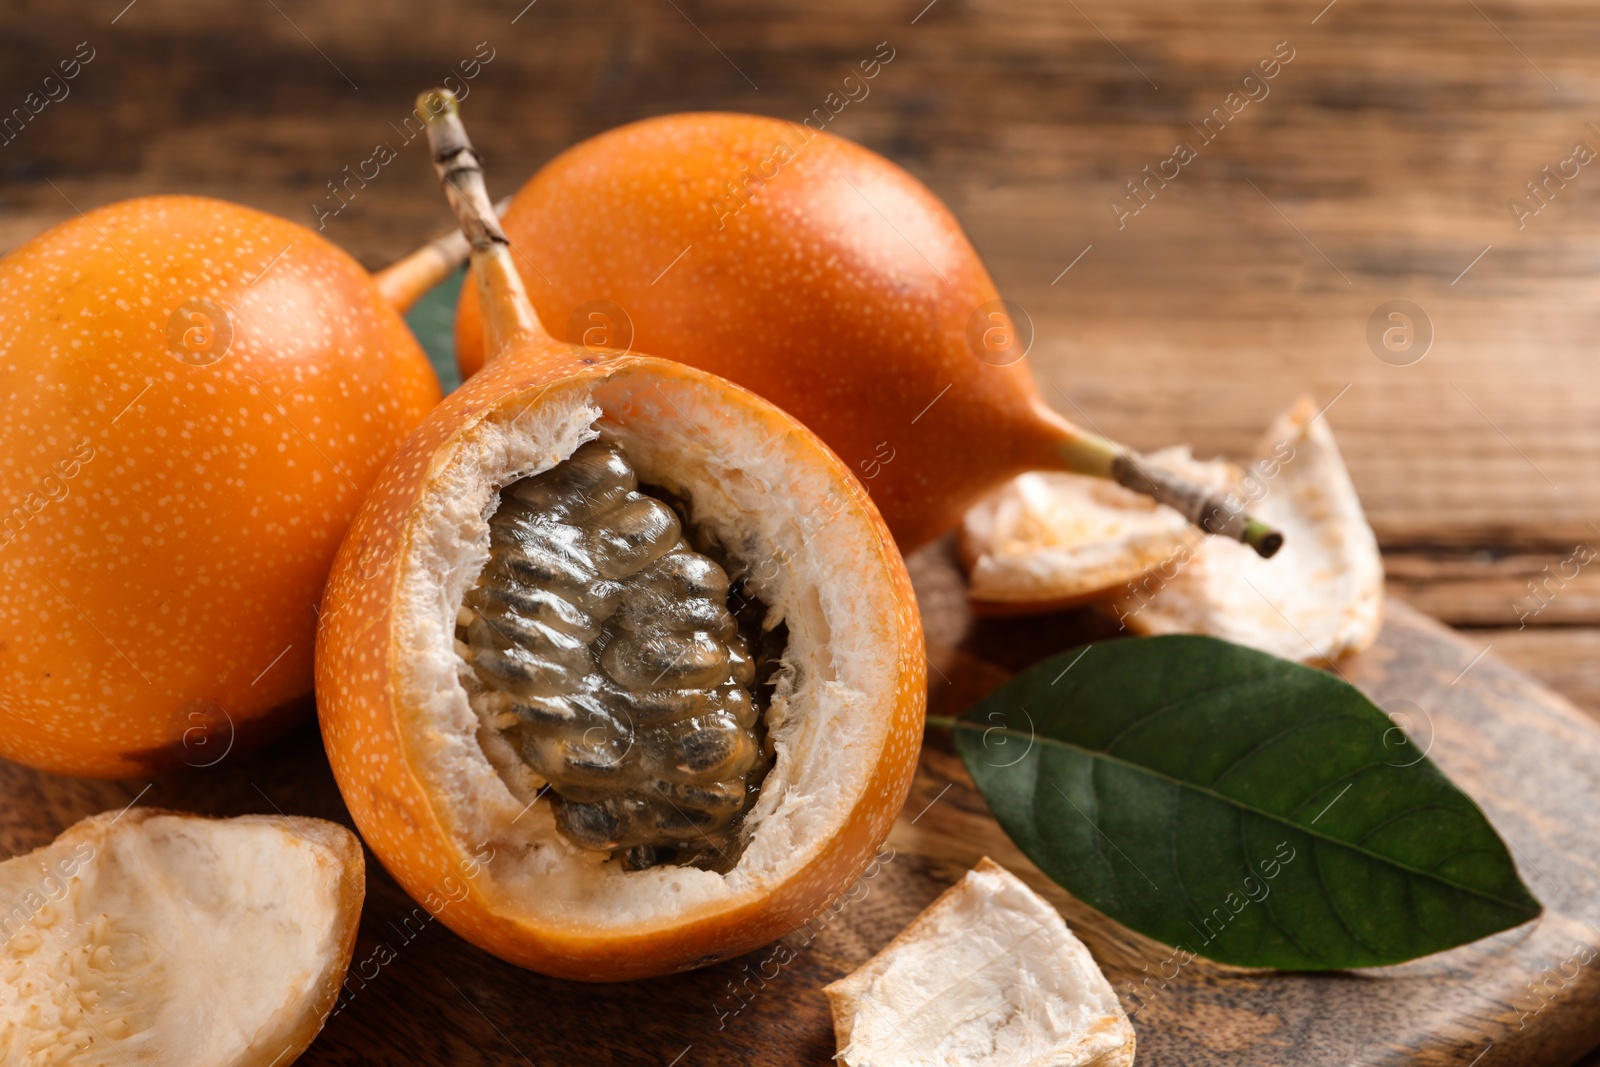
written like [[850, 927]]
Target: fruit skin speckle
[[194, 397], [373, 734], [809, 270], [410, 758]]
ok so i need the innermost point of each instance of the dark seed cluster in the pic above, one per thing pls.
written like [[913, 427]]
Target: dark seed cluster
[[608, 656]]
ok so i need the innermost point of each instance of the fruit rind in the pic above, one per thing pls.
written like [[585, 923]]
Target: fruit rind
[[837, 286], [987, 973], [1316, 600], [199, 393], [1048, 541], [406, 748], [145, 936]]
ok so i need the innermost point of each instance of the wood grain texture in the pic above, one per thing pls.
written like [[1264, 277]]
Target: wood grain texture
[[1535, 606], [1379, 166], [1564, 658], [1518, 589], [419, 995]]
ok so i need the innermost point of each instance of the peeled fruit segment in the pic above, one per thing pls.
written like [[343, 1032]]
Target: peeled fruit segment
[[151, 937], [1318, 599], [988, 974]]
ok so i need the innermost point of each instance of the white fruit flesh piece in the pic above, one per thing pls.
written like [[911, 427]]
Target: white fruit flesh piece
[[150, 937], [1319, 598], [1051, 540], [988, 974]]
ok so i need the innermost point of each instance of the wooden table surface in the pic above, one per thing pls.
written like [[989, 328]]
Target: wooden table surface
[[1379, 164]]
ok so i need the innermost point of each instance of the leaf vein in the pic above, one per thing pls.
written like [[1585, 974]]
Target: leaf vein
[[1345, 777], [1183, 702], [1177, 870], [1309, 831], [1397, 816], [1333, 905], [1272, 917], [1458, 852], [1275, 738]]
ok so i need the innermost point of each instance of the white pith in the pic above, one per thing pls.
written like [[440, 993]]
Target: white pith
[[781, 515], [989, 975], [147, 938], [1319, 599], [1069, 534], [1045, 539]]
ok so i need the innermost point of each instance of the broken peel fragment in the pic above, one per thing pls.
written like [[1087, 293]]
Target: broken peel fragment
[[1318, 599], [1049, 541], [157, 938], [988, 974]]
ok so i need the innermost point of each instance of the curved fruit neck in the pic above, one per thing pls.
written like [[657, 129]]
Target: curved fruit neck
[[508, 316], [509, 321], [406, 280]]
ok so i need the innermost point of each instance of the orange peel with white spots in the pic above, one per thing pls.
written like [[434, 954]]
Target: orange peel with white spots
[[819, 275], [195, 397]]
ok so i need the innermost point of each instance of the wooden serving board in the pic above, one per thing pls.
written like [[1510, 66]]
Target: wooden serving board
[[419, 995]]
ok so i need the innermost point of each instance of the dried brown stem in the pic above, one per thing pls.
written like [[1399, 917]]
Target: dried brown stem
[[1210, 511], [508, 314]]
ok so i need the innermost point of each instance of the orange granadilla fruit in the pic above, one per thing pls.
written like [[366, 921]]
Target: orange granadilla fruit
[[618, 664], [196, 396]]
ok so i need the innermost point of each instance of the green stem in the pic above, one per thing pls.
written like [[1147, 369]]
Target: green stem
[[943, 722]]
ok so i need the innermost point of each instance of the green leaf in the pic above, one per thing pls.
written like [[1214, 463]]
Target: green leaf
[[1237, 806]]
